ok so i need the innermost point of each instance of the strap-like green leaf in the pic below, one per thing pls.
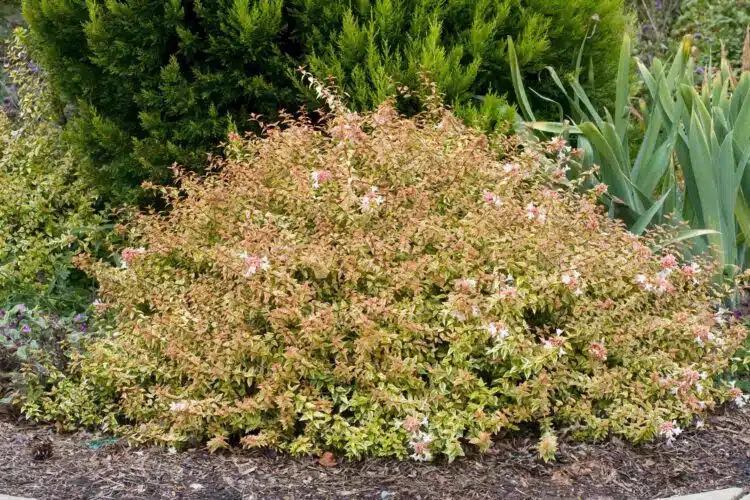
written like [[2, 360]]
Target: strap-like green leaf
[[645, 220], [622, 107], [517, 79]]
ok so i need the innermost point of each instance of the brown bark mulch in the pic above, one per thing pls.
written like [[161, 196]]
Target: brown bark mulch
[[36, 462]]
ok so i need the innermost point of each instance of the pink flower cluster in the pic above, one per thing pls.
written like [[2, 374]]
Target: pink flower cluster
[[492, 199], [320, 177], [128, 255], [254, 263], [371, 200], [420, 440], [660, 284], [498, 331], [535, 213], [670, 430], [598, 351], [573, 281], [511, 168], [556, 342], [600, 189], [466, 285], [702, 334], [557, 145], [509, 293]]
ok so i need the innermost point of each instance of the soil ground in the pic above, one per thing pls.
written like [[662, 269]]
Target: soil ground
[[84, 465]]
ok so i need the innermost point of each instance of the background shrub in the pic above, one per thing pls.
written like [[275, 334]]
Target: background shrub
[[656, 20], [392, 287], [47, 213], [156, 83], [716, 21], [462, 43]]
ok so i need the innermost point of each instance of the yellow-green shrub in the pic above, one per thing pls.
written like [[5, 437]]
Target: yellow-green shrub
[[47, 213], [391, 287]]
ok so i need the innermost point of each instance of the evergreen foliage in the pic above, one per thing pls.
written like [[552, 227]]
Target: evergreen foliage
[[160, 82]]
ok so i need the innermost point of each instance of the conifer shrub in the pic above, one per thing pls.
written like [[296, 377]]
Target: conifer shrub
[[161, 82], [392, 287]]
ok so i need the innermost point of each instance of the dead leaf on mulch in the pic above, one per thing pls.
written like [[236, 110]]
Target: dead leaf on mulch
[[559, 477], [328, 459]]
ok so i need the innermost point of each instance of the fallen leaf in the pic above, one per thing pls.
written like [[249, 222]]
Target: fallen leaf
[[561, 478], [328, 459]]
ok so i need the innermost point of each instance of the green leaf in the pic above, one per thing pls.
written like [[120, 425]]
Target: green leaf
[[555, 128], [645, 220], [622, 106], [687, 235], [518, 86]]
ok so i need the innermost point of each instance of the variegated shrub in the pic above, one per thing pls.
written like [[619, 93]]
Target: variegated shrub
[[392, 287]]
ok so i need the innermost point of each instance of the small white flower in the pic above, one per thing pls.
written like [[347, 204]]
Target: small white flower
[[641, 279], [179, 406], [670, 430], [492, 199], [420, 444], [371, 199], [498, 332], [255, 264], [509, 279], [664, 274], [578, 292], [699, 424], [559, 331], [531, 211], [566, 279], [456, 315], [511, 168], [719, 318], [475, 311]]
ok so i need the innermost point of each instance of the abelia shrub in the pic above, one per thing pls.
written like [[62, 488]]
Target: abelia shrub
[[392, 287]]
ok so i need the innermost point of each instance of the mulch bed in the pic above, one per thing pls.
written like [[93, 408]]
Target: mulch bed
[[84, 465]]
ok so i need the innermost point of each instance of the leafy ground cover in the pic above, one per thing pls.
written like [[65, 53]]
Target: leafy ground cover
[[84, 466]]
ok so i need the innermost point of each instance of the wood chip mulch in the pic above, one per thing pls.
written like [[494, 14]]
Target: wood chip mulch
[[36, 462]]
